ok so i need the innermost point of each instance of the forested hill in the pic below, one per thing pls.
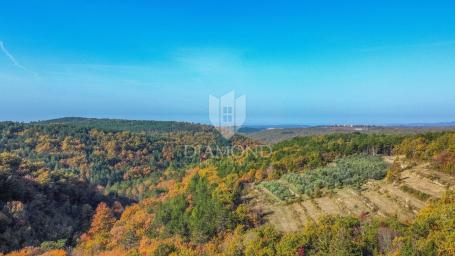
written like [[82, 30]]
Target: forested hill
[[110, 153], [70, 189], [127, 125], [54, 173], [275, 135]]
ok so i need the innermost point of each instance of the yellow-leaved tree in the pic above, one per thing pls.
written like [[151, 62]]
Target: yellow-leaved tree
[[98, 236]]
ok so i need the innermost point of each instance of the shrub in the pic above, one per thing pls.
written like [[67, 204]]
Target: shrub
[[348, 171]]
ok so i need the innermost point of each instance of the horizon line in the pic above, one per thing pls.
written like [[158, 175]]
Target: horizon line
[[255, 125]]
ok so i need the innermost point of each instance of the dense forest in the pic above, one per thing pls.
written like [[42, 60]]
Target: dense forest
[[53, 175], [97, 187], [127, 125]]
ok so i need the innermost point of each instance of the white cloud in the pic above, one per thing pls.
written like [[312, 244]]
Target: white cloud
[[14, 61]]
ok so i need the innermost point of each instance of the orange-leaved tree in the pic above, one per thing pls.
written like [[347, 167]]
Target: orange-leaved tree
[[98, 236]]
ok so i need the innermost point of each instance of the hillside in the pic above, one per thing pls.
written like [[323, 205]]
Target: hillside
[[53, 174], [275, 135], [270, 128], [127, 125], [337, 194], [414, 186]]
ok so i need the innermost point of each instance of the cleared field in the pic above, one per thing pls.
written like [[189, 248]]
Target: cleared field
[[328, 206], [405, 198], [302, 212], [375, 198], [352, 202], [422, 184], [284, 217], [388, 206], [443, 179], [313, 212]]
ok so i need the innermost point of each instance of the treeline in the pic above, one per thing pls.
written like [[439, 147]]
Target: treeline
[[437, 148], [311, 152], [306, 153], [127, 125]]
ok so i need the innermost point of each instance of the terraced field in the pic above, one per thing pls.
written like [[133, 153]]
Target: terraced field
[[374, 198]]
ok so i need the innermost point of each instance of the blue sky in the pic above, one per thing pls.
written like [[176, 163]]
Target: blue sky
[[298, 62]]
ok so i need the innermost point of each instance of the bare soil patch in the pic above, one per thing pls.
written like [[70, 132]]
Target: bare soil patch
[[422, 184], [328, 206], [376, 198]]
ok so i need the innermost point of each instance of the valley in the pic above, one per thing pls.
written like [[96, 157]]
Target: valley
[[76, 186]]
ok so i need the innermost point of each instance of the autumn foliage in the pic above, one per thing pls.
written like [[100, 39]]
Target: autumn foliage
[[99, 189]]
